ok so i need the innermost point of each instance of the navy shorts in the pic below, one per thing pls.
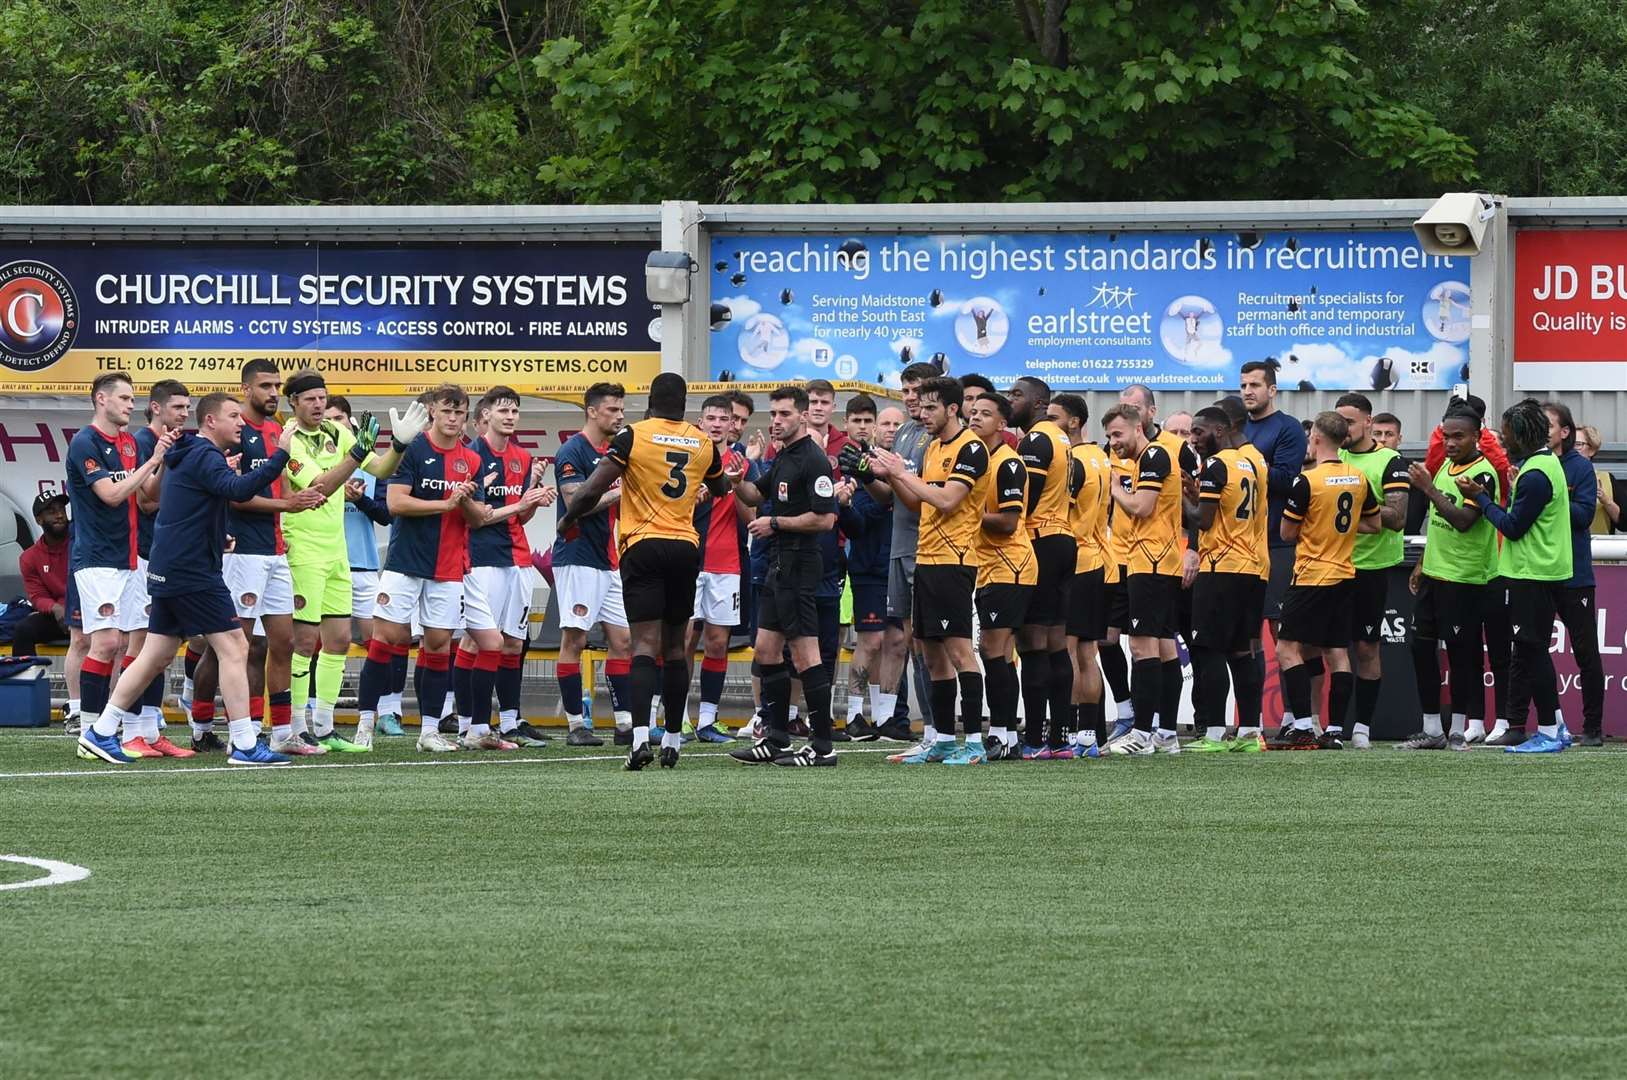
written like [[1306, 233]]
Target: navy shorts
[[209, 611], [869, 607]]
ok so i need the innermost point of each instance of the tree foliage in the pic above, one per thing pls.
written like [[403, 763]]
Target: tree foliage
[[1538, 86], [367, 101]]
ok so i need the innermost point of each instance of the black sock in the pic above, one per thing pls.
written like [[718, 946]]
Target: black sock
[[646, 679], [1036, 683], [1315, 668], [1146, 677], [1209, 688], [1115, 669], [1096, 716], [776, 679], [674, 693], [1340, 686], [943, 706], [816, 694], [1061, 698], [1248, 688], [971, 702], [1426, 669], [1296, 687], [1468, 693], [1001, 685], [1169, 701], [1367, 700]]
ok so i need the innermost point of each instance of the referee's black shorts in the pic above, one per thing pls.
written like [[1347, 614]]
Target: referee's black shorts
[[789, 604], [658, 579]]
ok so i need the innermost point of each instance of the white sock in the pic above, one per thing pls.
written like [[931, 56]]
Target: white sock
[[242, 733], [1559, 718], [641, 736], [73, 705], [366, 718], [1301, 725], [282, 732], [153, 721], [1458, 720], [1247, 732], [1214, 734], [198, 729], [1126, 711], [475, 731], [1087, 738], [1011, 738], [655, 713], [672, 739], [886, 705], [297, 725], [792, 715], [874, 690], [1498, 728], [322, 719], [929, 733], [708, 715], [1362, 730], [942, 738], [508, 720], [1550, 730], [1432, 723], [1157, 723], [465, 723], [997, 733], [976, 737], [574, 722], [855, 706], [623, 719]]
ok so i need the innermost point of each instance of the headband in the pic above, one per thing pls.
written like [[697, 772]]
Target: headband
[[298, 384]]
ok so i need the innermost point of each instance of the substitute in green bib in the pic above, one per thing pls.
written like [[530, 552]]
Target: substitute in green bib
[[1376, 556], [1450, 582], [1536, 562]]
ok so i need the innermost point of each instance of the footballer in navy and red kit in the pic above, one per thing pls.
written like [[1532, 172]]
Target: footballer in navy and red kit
[[498, 587], [256, 570], [104, 587], [585, 563], [717, 523], [429, 554]]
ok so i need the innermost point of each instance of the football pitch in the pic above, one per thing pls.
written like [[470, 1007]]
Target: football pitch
[[544, 913]]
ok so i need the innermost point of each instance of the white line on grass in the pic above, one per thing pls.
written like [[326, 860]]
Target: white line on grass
[[124, 770], [57, 873]]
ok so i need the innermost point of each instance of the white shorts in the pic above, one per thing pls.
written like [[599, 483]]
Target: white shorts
[[259, 584], [111, 598], [499, 598], [438, 605], [588, 595], [717, 599], [364, 590]]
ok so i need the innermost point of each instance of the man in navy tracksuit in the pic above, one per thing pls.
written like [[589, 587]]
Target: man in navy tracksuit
[[189, 596], [868, 526]]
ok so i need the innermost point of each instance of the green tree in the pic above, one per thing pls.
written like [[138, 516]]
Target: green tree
[[979, 100], [1538, 86]]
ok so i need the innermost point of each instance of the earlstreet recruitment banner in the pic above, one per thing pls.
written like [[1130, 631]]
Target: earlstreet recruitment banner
[[1094, 311], [1570, 309], [380, 318]]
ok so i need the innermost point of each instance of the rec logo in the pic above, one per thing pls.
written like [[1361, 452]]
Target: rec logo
[[39, 315]]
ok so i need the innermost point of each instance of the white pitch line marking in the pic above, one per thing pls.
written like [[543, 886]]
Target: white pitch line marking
[[57, 873]]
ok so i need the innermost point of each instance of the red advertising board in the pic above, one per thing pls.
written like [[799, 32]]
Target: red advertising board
[[1570, 309]]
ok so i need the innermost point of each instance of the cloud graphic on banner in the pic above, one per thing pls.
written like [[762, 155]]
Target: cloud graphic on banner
[[743, 307]]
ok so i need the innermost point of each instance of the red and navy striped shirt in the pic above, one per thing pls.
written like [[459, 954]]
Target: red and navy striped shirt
[[504, 477], [103, 535], [435, 546], [255, 532]]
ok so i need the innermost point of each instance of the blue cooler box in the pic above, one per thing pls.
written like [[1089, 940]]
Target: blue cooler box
[[25, 700]]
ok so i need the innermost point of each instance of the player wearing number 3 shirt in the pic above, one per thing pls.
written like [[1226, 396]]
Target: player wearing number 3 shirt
[[662, 462]]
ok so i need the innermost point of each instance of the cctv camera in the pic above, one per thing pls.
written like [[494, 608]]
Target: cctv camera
[[1455, 224]]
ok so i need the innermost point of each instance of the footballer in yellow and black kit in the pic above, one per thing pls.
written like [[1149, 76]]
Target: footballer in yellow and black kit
[[1328, 500], [1229, 591], [1006, 566], [1044, 451], [1153, 543], [1089, 475], [945, 553]]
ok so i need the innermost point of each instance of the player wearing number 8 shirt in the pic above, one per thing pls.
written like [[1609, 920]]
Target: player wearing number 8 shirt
[[1328, 505], [1229, 591], [662, 463]]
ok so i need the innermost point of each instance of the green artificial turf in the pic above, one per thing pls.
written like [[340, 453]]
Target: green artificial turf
[[1286, 915]]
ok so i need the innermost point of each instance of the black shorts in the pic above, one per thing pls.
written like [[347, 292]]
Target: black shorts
[[1531, 609], [1369, 603], [787, 604], [1282, 575], [209, 611], [1087, 606], [943, 601], [1055, 556], [1317, 615], [1225, 611], [1118, 602], [869, 607], [1155, 604], [1004, 607], [1447, 610], [658, 579]]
